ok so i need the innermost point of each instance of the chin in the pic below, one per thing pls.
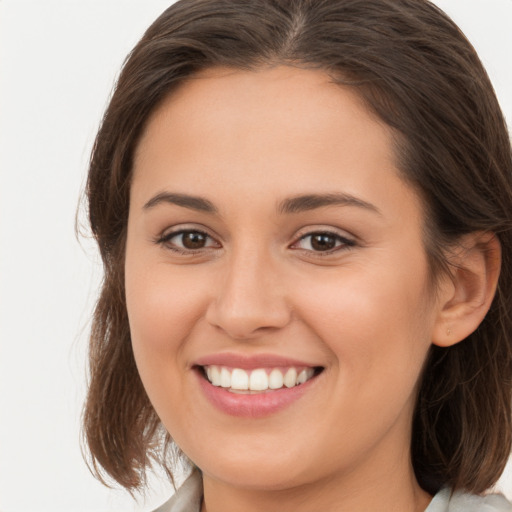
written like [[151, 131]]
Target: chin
[[253, 470], [249, 476]]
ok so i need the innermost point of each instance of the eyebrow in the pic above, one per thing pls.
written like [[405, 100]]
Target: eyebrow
[[307, 202], [289, 205], [192, 202]]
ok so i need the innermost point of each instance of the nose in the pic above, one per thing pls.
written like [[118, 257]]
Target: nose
[[251, 299]]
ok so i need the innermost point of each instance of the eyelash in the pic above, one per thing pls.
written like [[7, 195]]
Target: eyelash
[[342, 243], [165, 241]]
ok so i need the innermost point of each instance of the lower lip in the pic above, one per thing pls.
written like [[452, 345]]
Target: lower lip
[[252, 405]]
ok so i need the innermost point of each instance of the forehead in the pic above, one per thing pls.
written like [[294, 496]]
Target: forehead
[[281, 110], [305, 103], [269, 133]]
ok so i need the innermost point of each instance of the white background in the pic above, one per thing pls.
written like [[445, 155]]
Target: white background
[[58, 62]]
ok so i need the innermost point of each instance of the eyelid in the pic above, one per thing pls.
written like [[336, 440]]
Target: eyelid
[[169, 233], [320, 228], [347, 241]]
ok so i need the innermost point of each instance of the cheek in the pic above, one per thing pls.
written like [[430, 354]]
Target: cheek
[[378, 335], [373, 322], [163, 309]]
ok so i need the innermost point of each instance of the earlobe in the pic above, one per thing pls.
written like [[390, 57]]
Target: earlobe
[[466, 295]]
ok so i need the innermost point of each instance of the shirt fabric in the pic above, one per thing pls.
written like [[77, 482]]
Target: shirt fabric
[[189, 496]]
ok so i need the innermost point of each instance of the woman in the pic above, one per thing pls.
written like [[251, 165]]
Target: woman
[[304, 209]]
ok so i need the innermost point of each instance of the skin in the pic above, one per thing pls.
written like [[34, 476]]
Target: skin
[[246, 141]]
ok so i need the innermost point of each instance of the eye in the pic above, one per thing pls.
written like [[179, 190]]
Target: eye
[[323, 241], [187, 240]]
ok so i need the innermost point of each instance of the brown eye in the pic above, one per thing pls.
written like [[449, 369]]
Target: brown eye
[[186, 240], [193, 240], [323, 242]]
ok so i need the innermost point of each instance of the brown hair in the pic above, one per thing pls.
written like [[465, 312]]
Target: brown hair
[[414, 69]]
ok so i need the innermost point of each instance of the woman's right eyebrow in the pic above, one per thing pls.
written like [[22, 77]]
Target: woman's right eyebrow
[[186, 201]]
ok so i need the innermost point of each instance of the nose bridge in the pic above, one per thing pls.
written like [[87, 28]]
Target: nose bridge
[[250, 299]]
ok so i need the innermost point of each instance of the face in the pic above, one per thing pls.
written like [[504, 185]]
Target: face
[[276, 280]]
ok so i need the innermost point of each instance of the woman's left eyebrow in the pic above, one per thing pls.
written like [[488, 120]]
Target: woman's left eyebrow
[[306, 202]]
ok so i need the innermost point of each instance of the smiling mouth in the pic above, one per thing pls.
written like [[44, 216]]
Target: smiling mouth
[[258, 380]]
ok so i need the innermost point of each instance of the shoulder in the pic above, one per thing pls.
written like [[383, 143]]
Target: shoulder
[[446, 501], [188, 497]]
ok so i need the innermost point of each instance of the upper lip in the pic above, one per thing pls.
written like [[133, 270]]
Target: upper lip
[[250, 362]]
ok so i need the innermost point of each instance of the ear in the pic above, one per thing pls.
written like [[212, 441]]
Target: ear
[[466, 295]]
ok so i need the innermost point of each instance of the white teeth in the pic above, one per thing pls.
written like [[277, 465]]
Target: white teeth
[[302, 377], [215, 375], [225, 378], [259, 379], [290, 379], [275, 379], [239, 379]]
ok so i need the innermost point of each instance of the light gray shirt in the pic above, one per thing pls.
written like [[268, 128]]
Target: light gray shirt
[[189, 496]]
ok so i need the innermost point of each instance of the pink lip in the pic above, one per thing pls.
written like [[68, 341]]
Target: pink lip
[[252, 406], [255, 405], [251, 362]]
